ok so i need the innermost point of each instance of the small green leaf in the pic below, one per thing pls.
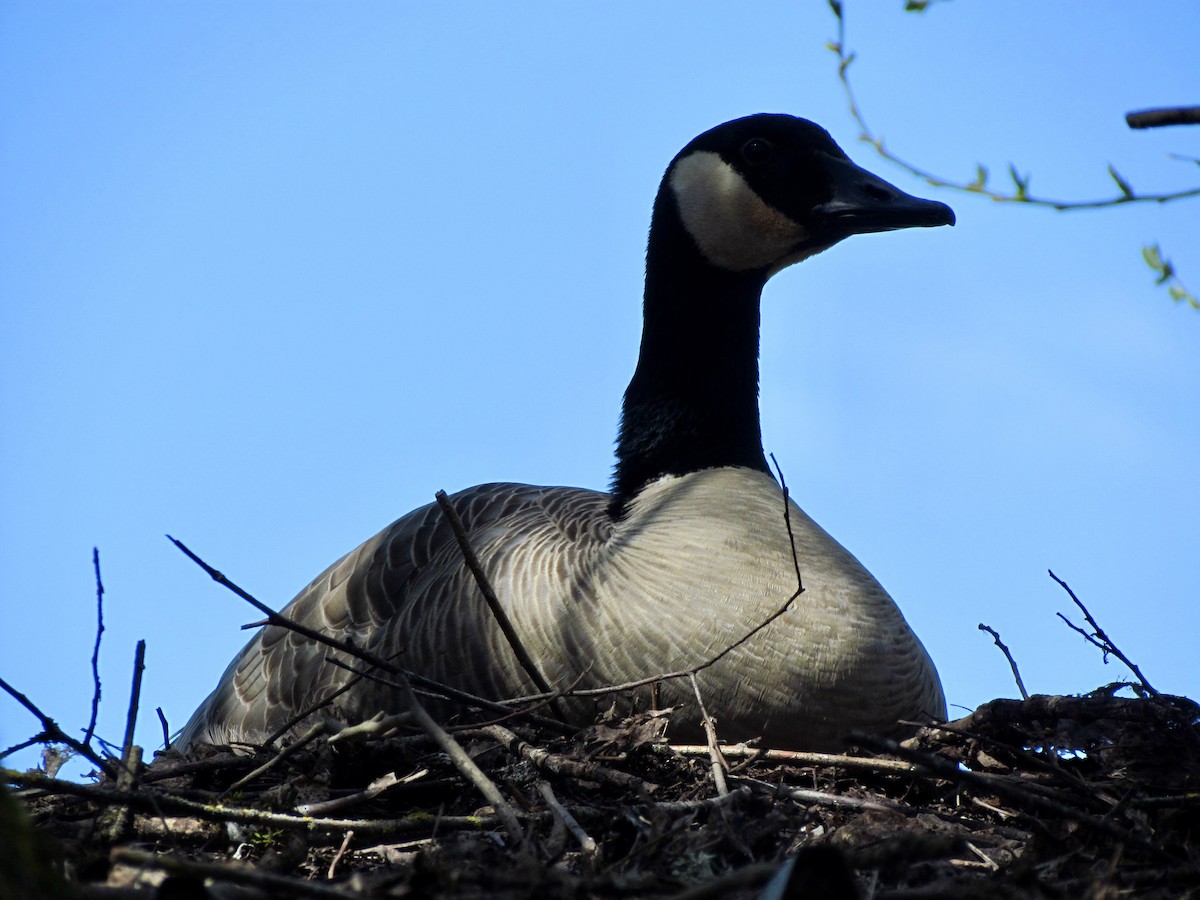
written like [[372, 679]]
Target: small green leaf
[[1125, 186], [845, 64], [981, 177], [1022, 184], [916, 6], [1177, 293], [1153, 257]]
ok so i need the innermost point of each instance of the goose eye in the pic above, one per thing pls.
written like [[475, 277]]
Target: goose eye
[[757, 150]]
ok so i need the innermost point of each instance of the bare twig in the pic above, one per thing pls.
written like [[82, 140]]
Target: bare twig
[[802, 758], [156, 801], [1157, 118], [135, 695], [91, 728], [166, 730], [465, 765], [586, 842], [978, 186], [232, 873], [53, 734], [787, 521], [1007, 655], [665, 676], [370, 792], [309, 710], [282, 621], [1098, 638], [844, 801], [1017, 793], [562, 765], [719, 765], [489, 595], [340, 853], [315, 731]]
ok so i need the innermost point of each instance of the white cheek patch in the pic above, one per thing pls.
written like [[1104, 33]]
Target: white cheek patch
[[731, 224]]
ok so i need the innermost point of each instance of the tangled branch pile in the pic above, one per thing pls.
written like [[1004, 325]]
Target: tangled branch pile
[[1094, 796]]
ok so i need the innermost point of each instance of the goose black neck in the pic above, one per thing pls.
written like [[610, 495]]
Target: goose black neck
[[693, 401]]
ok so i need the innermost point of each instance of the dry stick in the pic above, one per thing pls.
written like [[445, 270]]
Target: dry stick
[[719, 765], [666, 676], [493, 602], [341, 852], [314, 732], [166, 730], [562, 765], [370, 792], [1011, 662], [843, 801], [503, 707], [315, 707], [55, 735], [131, 756], [465, 765], [156, 801], [135, 696], [1020, 794], [787, 521], [1098, 638], [228, 872], [1157, 118], [803, 758], [586, 842], [445, 742], [282, 621], [87, 735]]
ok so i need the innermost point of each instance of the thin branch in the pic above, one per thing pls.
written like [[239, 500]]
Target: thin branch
[[1100, 639], [978, 186], [231, 873], [55, 735], [587, 843], [465, 765], [314, 732], [719, 765], [489, 595], [667, 676], [156, 801], [135, 694], [166, 730], [1007, 655], [282, 621], [91, 728], [787, 521], [1169, 115], [563, 765], [341, 852], [804, 758], [1016, 793]]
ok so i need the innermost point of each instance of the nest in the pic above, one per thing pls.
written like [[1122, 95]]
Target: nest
[[1095, 796]]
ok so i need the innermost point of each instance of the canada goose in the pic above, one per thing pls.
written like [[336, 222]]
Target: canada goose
[[689, 551]]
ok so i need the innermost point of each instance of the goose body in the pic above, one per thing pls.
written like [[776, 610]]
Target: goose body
[[688, 553]]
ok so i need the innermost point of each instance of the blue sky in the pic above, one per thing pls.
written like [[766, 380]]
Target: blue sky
[[271, 274]]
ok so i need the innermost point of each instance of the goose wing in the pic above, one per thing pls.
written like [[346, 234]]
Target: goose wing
[[412, 567]]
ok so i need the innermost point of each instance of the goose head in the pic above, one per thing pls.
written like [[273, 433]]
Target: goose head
[[763, 192], [739, 203]]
